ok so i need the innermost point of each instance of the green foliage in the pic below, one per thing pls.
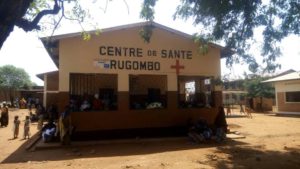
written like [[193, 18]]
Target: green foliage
[[13, 78], [146, 32], [256, 88], [36, 7], [229, 21], [233, 22], [203, 43], [147, 11], [85, 36]]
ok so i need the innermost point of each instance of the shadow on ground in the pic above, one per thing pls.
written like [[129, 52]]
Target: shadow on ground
[[255, 157], [237, 116], [109, 150]]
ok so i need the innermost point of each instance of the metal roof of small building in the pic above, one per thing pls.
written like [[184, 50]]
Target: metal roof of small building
[[290, 76]]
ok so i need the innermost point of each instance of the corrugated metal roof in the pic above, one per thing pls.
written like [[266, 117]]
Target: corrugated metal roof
[[290, 76]]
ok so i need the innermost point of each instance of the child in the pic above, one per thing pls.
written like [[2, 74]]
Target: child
[[27, 127], [16, 126]]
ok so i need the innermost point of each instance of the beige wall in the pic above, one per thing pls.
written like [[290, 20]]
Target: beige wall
[[267, 103], [281, 88], [285, 106], [52, 81], [287, 86], [78, 56]]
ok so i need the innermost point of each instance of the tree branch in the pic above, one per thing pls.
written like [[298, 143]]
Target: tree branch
[[31, 25]]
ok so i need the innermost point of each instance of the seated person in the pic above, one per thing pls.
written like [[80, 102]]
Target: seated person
[[33, 117], [85, 106], [154, 105], [97, 103], [200, 132], [48, 131]]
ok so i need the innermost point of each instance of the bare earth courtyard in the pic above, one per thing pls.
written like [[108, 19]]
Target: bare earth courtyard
[[271, 142]]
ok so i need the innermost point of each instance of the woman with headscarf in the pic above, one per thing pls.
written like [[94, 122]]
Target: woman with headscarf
[[65, 126]]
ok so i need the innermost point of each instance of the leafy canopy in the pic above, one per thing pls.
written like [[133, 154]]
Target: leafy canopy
[[234, 21], [256, 88], [14, 78], [231, 22]]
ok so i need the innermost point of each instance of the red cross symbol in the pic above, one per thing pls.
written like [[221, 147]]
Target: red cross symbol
[[177, 67]]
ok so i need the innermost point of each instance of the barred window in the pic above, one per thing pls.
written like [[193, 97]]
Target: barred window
[[292, 96], [195, 91], [148, 91], [86, 87]]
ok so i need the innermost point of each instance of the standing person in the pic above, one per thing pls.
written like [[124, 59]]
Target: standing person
[[65, 127], [27, 127], [40, 111], [16, 126], [228, 110], [0, 116], [242, 111], [4, 116], [221, 125]]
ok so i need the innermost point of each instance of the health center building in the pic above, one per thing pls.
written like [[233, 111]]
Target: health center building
[[117, 81]]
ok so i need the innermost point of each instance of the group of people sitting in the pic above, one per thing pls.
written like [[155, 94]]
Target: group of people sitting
[[95, 103], [201, 131], [60, 129]]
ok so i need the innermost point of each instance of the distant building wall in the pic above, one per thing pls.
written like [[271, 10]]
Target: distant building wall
[[267, 104], [282, 88], [286, 106], [52, 82]]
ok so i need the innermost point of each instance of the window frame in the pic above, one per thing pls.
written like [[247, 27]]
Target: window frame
[[286, 97]]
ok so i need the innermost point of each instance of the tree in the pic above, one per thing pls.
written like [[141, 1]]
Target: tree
[[255, 88], [11, 79], [229, 21], [27, 14], [234, 21]]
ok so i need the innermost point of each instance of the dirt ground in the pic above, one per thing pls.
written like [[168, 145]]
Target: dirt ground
[[271, 142]]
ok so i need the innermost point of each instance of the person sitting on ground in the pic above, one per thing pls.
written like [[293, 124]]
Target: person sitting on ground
[[32, 117], [48, 131], [200, 132]]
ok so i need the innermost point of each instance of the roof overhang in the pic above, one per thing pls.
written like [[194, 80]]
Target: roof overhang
[[286, 77], [41, 75]]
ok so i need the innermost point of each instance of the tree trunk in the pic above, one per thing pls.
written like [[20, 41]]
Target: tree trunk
[[261, 104], [11, 11]]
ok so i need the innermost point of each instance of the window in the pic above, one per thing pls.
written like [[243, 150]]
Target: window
[[227, 96], [148, 91], [234, 97], [93, 92], [292, 96], [194, 91]]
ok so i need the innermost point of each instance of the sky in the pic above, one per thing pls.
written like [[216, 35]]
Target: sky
[[26, 51]]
